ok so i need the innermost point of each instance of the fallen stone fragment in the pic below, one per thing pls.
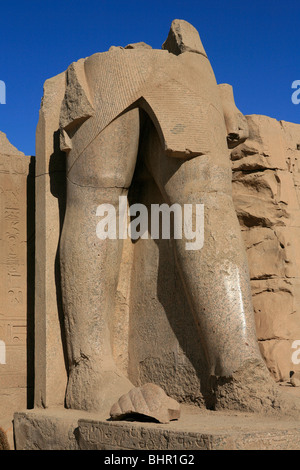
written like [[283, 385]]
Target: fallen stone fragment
[[148, 401], [295, 379]]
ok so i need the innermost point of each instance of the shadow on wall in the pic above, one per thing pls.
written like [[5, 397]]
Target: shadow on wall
[[58, 186], [30, 281]]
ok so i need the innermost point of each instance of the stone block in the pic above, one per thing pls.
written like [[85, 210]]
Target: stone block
[[195, 430]]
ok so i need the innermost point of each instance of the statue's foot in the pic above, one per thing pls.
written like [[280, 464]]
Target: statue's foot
[[252, 389], [96, 391]]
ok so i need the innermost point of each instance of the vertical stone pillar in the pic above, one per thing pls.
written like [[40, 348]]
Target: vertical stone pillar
[[50, 369]]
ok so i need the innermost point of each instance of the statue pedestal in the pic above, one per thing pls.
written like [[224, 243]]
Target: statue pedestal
[[61, 429]]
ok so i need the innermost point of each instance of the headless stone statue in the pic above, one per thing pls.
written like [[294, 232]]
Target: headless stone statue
[[166, 106]]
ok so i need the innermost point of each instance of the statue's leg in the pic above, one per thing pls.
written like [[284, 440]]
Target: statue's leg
[[90, 266], [215, 278]]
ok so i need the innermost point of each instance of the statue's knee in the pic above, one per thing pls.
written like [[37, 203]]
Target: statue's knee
[[109, 160]]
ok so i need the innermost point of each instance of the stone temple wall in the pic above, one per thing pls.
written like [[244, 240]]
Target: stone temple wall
[[267, 200], [16, 279]]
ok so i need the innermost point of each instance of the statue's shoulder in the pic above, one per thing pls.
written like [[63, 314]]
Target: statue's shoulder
[[132, 46], [139, 53]]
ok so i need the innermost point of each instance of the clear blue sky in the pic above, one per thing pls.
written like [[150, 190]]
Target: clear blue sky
[[253, 45]]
